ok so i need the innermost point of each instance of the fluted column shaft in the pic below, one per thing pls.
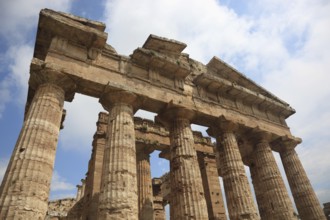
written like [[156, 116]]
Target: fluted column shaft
[[304, 196], [212, 188], [118, 195], [146, 211], [239, 198], [187, 194], [159, 213], [25, 187], [258, 189], [159, 210], [83, 187], [276, 202], [78, 197]]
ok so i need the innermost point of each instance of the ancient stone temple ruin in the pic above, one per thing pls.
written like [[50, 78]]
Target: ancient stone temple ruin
[[71, 56]]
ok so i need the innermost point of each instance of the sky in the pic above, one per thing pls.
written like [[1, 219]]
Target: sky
[[282, 45]]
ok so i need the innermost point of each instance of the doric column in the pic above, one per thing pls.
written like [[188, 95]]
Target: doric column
[[239, 198], [276, 203], [78, 196], [146, 211], [212, 188], [257, 188], [93, 179], [118, 195], [159, 211], [304, 196], [83, 187], [187, 195], [25, 188]]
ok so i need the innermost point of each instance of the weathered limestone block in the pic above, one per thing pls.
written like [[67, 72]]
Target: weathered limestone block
[[76, 212], [238, 193], [118, 196], [276, 202], [212, 188], [58, 209], [304, 196], [25, 188], [146, 211], [187, 194]]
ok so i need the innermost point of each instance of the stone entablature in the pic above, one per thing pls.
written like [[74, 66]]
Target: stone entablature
[[139, 70]]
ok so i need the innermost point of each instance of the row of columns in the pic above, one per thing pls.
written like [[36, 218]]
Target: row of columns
[[25, 188]]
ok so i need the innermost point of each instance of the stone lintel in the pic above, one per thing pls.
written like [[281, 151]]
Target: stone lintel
[[76, 29], [143, 148], [164, 45], [167, 66]]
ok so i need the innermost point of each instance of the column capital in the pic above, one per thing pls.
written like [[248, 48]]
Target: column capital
[[45, 73], [171, 113], [222, 125], [114, 97], [285, 143], [256, 136]]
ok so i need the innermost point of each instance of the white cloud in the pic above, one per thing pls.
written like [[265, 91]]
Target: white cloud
[[59, 183], [323, 195], [3, 167], [4, 94], [80, 123], [20, 16]]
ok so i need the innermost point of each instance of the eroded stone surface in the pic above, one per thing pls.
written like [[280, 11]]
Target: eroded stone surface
[[238, 194], [308, 206], [58, 209], [275, 199], [25, 188], [187, 193], [211, 184], [146, 210], [71, 55], [118, 196]]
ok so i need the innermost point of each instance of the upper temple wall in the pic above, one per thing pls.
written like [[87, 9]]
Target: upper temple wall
[[158, 72]]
